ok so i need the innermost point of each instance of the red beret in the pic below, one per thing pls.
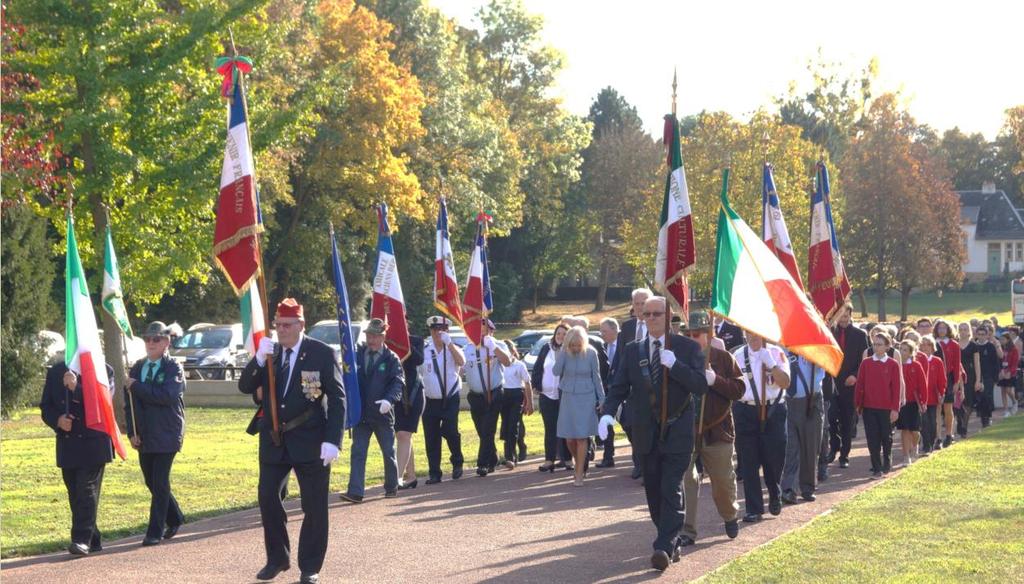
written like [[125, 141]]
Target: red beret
[[289, 308]]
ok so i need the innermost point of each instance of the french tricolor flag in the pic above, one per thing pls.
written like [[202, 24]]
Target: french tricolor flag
[[446, 287], [826, 275], [774, 231], [477, 303], [388, 301]]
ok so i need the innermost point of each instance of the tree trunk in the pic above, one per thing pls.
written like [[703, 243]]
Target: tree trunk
[[863, 302], [881, 302], [904, 302], [536, 297], [602, 284]]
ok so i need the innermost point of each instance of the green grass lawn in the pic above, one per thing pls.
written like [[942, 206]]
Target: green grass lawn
[[216, 472], [956, 306], [957, 516]]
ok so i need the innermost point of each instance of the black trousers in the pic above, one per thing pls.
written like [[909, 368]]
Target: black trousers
[[441, 420], [663, 486], [928, 428], [554, 447], [314, 480], [878, 432], [985, 401], [511, 420], [163, 507], [609, 447], [846, 420], [762, 451], [485, 420], [83, 486]]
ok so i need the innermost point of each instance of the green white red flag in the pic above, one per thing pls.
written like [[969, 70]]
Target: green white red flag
[[676, 249]]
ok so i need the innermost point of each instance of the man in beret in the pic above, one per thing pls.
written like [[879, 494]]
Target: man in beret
[[155, 391], [310, 400], [381, 379]]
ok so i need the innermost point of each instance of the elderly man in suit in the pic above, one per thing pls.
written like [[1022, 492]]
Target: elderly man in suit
[[658, 376], [381, 378], [310, 398], [633, 329]]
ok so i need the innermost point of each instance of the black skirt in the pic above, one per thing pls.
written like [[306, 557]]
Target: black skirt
[[409, 422], [910, 418], [950, 384]]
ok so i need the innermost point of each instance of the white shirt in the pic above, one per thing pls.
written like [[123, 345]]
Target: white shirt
[[641, 330], [291, 362], [516, 376], [650, 345], [883, 358], [444, 359], [550, 380], [610, 349], [773, 390]]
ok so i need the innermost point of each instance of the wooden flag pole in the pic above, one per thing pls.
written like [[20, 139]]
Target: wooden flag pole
[[275, 429], [663, 418]]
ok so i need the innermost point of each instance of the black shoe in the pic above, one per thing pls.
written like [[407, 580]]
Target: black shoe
[[886, 465], [150, 541], [660, 561], [677, 554], [490, 469], [732, 528], [789, 498], [522, 452], [808, 497], [433, 480], [636, 474], [456, 473], [546, 467], [481, 471], [171, 531], [605, 464], [310, 578], [844, 464], [774, 506], [947, 442], [876, 474], [560, 464], [752, 518], [390, 494], [95, 546], [78, 549], [570, 467], [685, 540], [351, 498], [270, 571], [409, 485]]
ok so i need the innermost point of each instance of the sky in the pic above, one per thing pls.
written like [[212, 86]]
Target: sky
[[955, 64]]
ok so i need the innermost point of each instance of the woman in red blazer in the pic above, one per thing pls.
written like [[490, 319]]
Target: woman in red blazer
[[877, 399], [916, 383], [935, 372], [1008, 373], [949, 350]]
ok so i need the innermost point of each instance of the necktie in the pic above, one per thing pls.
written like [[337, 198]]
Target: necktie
[[656, 364], [371, 356], [639, 330], [284, 372], [150, 372]]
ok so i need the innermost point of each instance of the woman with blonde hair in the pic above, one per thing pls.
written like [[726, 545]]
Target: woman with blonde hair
[[582, 394]]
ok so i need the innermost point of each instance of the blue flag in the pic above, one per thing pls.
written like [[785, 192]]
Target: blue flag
[[354, 406]]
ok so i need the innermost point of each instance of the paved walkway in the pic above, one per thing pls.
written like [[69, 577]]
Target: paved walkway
[[514, 526]]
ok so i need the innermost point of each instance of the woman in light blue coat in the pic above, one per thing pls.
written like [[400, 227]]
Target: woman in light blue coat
[[582, 394]]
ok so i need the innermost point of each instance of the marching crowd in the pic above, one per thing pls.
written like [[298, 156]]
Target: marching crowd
[[695, 398]]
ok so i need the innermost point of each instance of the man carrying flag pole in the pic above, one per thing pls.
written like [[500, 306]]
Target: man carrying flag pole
[[77, 405]]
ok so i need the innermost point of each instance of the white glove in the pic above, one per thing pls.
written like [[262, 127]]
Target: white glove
[[265, 349], [603, 425], [328, 452], [446, 339], [668, 358], [385, 406], [710, 376], [489, 342]]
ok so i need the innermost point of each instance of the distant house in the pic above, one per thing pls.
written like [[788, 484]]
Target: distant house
[[993, 233]]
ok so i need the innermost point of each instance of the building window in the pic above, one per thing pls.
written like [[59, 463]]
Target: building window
[[1019, 256]]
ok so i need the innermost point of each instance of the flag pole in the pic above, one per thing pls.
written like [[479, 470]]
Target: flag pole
[[124, 351], [663, 418], [275, 429], [70, 221], [483, 317]]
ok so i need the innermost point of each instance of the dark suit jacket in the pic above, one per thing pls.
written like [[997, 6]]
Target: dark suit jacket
[[159, 406], [627, 334], [632, 385], [81, 447], [302, 444], [602, 359], [385, 381], [856, 342], [730, 334]]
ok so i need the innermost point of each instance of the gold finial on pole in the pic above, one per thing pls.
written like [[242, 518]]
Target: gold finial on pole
[[675, 76]]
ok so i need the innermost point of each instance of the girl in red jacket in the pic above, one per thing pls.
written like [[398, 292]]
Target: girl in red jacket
[[877, 399], [950, 354], [909, 422], [1008, 374], [935, 372]]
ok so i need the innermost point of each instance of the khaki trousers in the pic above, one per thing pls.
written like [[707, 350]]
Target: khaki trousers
[[717, 461]]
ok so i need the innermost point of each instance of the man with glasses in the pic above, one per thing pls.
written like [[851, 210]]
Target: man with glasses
[[442, 362], [156, 427], [310, 399], [632, 329], [658, 377], [715, 433]]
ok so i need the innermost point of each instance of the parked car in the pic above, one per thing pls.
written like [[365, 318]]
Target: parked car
[[326, 331], [528, 338], [207, 349], [531, 357]]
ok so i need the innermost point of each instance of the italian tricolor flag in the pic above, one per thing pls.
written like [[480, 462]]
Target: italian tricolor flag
[[84, 353], [254, 327], [676, 249], [753, 289]]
